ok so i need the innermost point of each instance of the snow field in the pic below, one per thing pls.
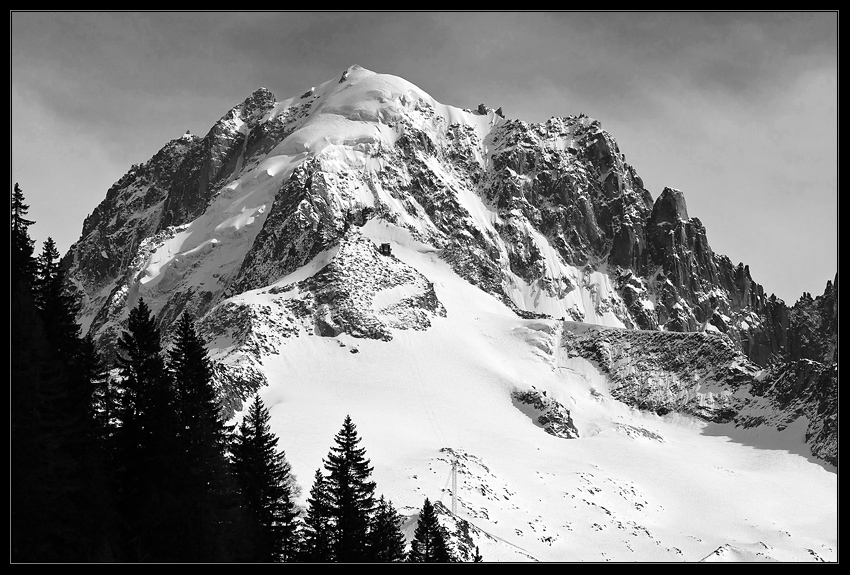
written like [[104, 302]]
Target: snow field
[[633, 487]]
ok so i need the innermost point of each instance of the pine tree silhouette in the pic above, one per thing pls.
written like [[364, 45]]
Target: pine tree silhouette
[[205, 482], [351, 495], [23, 262], [150, 458], [317, 541], [386, 541], [429, 539], [51, 499], [477, 558], [44, 475], [264, 478]]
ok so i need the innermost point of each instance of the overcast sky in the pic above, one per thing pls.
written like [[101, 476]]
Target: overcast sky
[[738, 110]]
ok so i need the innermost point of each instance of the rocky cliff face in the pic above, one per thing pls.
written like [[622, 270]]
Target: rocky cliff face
[[804, 381], [813, 332], [266, 228], [704, 375]]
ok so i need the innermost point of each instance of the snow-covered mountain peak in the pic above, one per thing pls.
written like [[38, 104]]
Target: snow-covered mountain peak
[[548, 218], [468, 286]]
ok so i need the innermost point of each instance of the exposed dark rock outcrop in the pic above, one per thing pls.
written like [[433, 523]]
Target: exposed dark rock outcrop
[[548, 413], [813, 331], [704, 375], [220, 154]]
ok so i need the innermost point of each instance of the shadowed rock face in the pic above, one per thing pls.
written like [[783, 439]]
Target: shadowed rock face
[[669, 208], [704, 375], [694, 373], [131, 212], [803, 388], [697, 287], [215, 160], [813, 332]]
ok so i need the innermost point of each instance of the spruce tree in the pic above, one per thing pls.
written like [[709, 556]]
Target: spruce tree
[[59, 455], [47, 268], [103, 403], [202, 438], [429, 543], [59, 311], [386, 541], [150, 458], [317, 541], [264, 478], [96, 400], [202, 430], [45, 478], [351, 495], [23, 262], [50, 478]]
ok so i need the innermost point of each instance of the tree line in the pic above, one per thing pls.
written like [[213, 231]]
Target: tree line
[[133, 462]]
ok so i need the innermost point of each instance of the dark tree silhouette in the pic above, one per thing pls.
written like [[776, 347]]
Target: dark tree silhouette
[[207, 489], [429, 540], [318, 532], [48, 479], [351, 495], [23, 262], [45, 478], [386, 541], [150, 458], [264, 478], [477, 558]]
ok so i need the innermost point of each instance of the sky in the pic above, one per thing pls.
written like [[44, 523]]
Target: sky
[[738, 110]]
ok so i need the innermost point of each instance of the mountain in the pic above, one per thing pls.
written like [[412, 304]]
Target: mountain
[[479, 290]]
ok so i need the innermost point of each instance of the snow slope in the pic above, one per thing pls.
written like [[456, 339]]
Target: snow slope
[[633, 487]]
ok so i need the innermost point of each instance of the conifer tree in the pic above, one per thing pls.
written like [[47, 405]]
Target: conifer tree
[[317, 540], [23, 262], [429, 543], [264, 478], [44, 475], [150, 458], [96, 400], [351, 495], [103, 403], [202, 437], [202, 430], [47, 267], [59, 456], [386, 541], [49, 479], [59, 311]]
